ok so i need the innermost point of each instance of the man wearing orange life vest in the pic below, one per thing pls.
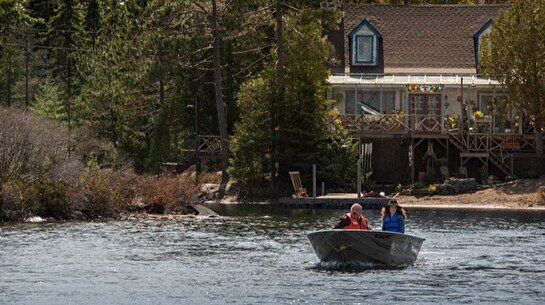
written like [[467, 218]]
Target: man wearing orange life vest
[[353, 220]]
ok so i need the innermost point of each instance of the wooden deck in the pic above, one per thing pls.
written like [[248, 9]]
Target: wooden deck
[[334, 201]]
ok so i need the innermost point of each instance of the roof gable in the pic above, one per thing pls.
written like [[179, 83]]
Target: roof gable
[[362, 24], [423, 37], [477, 39]]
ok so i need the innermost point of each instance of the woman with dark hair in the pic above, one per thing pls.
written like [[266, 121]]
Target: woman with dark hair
[[393, 218]]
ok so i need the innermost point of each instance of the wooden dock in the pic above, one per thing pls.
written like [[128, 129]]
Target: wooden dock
[[334, 201]]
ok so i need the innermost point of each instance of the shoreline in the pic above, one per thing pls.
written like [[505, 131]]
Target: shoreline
[[471, 207], [410, 206], [452, 206]]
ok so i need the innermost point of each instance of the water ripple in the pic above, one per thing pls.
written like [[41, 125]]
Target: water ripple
[[467, 258]]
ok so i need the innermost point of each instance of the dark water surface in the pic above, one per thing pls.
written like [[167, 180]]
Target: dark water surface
[[246, 258]]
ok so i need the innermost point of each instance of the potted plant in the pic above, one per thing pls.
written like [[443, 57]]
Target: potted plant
[[479, 115]]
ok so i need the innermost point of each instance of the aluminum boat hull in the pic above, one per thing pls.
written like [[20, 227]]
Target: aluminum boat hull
[[359, 246]]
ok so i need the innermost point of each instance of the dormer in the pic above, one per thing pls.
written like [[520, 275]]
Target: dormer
[[478, 37], [364, 42]]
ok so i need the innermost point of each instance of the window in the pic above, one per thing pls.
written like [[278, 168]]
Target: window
[[364, 41], [370, 99], [364, 48], [389, 101], [487, 102]]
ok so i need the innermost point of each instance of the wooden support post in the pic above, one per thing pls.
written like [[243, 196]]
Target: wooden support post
[[442, 105], [323, 188], [411, 164], [382, 108], [359, 177], [448, 155], [314, 180], [463, 112]]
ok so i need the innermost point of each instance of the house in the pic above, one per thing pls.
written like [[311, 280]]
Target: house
[[407, 80]]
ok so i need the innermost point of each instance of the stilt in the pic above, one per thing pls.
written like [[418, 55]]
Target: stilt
[[411, 159]]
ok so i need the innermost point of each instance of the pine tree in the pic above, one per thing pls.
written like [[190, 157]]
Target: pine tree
[[304, 107], [93, 21], [63, 37], [14, 31], [48, 101], [43, 9]]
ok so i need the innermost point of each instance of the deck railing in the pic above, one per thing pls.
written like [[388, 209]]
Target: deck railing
[[389, 123], [425, 123]]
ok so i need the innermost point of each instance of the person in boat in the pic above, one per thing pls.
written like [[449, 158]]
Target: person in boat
[[393, 218], [353, 220]]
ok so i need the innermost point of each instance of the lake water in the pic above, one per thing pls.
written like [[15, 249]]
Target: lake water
[[260, 255]]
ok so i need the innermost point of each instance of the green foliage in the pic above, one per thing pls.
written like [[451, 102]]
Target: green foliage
[[432, 189], [513, 54], [13, 22], [93, 18], [399, 188], [42, 9], [93, 164], [160, 145], [290, 133], [337, 163], [252, 143], [63, 35], [48, 101]]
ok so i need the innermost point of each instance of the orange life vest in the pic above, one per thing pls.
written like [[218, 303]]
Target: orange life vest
[[355, 224]]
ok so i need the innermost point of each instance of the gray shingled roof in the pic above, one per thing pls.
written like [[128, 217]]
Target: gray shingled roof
[[423, 38]]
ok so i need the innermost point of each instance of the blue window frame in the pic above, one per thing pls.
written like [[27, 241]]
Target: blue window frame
[[364, 41], [364, 49]]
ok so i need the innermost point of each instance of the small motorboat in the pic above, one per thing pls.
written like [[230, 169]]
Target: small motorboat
[[363, 246]]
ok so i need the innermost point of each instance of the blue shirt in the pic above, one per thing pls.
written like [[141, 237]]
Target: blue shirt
[[393, 223]]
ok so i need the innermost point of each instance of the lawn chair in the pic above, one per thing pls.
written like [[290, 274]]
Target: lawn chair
[[444, 172], [298, 189], [463, 172]]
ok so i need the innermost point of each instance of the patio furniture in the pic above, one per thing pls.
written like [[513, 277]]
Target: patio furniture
[[298, 189]]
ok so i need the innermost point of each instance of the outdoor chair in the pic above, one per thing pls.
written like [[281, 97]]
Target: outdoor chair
[[463, 172], [298, 189]]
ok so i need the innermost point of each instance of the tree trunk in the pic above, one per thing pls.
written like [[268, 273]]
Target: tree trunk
[[222, 122], [69, 93], [281, 64], [277, 111]]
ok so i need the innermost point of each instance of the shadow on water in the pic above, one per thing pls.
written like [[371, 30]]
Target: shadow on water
[[264, 209], [351, 267]]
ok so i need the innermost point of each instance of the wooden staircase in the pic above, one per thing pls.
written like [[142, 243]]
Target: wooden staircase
[[470, 144]]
